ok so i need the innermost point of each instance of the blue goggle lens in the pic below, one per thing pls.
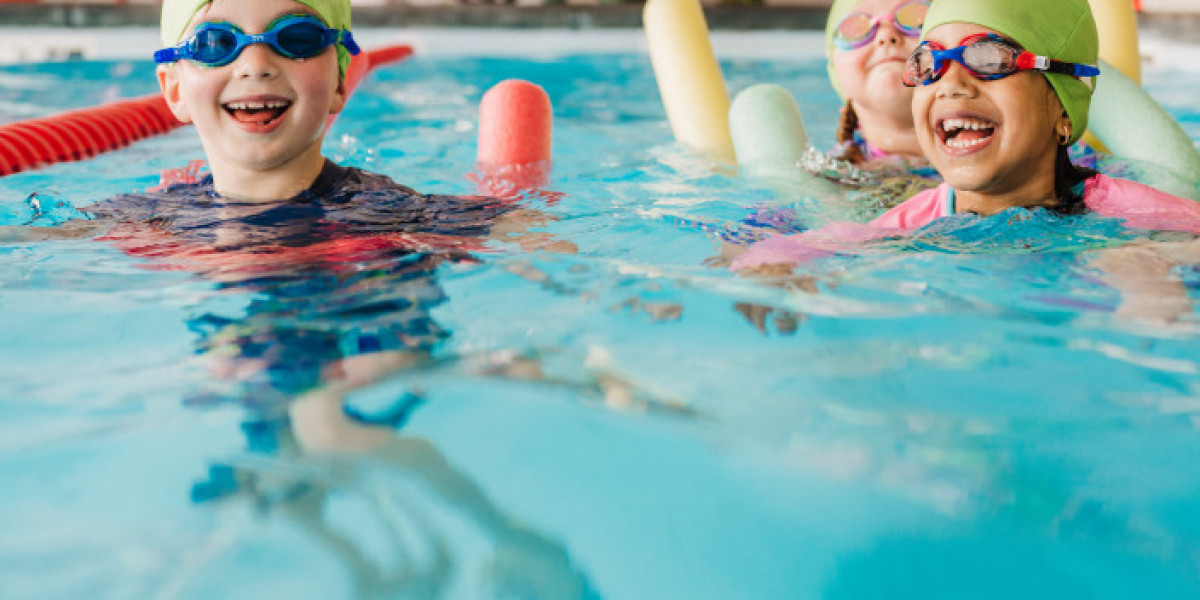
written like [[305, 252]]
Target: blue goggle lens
[[302, 40], [218, 44], [214, 46]]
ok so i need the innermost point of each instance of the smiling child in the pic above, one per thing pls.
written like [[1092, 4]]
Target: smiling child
[[1002, 89], [867, 42]]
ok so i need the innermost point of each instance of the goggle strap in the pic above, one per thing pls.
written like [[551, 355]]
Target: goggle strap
[[167, 55], [347, 42], [1029, 61]]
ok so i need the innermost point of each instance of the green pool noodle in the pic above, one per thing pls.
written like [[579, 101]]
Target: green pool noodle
[[1135, 128], [767, 130]]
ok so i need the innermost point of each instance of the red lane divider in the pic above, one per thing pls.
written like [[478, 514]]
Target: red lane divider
[[84, 133]]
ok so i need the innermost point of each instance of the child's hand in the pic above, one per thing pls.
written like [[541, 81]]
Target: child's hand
[[74, 229], [786, 321], [514, 227], [725, 256], [1143, 274]]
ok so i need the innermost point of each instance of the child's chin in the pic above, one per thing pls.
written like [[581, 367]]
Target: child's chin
[[967, 179]]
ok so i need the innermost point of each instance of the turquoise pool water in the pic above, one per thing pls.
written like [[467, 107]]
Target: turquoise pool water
[[961, 416]]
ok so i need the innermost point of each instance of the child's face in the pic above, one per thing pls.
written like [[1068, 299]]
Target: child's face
[[987, 136], [263, 111], [871, 76]]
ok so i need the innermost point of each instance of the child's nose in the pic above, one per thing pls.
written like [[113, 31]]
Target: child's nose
[[887, 34], [956, 82], [257, 61]]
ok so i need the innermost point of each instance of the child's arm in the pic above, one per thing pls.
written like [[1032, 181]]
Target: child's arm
[[1142, 272], [513, 226], [74, 229]]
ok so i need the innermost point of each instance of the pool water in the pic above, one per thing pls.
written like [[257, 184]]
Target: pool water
[[961, 414]]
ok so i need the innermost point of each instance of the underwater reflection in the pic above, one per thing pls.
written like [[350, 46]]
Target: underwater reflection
[[313, 308]]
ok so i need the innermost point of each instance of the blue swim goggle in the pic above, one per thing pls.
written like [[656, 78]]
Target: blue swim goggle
[[292, 36]]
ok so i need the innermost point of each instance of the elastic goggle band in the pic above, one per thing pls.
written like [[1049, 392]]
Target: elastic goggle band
[[292, 36], [987, 57], [858, 29]]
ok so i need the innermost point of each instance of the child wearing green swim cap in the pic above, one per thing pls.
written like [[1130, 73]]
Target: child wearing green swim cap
[[867, 42], [261, 114], [1001, 89], [998, 98]]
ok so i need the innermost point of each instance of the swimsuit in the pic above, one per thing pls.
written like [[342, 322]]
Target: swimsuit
[[1139, 206]]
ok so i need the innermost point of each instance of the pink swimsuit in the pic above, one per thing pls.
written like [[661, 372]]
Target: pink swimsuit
[[1140, 206]]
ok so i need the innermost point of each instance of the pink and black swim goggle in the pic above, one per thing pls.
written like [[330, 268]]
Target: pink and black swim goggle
[[987, 56]]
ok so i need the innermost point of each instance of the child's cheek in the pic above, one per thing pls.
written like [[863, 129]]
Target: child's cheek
[[850, 70]]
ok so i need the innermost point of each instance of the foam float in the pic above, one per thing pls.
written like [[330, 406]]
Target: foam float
[[516, 125], [767, 130], [689, 78], [1116, 25], [1125, 121]]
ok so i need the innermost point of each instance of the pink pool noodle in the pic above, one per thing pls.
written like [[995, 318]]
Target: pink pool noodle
[[515, 126]]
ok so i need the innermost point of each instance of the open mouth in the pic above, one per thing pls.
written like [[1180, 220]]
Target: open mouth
[[962, 134], [259, 113]]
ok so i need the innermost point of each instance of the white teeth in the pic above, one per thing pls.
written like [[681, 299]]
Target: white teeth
[[953, 125], [256, 105], [956, 143]]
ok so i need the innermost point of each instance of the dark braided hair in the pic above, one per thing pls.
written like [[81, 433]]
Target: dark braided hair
[[1067, 177], [845, 135]]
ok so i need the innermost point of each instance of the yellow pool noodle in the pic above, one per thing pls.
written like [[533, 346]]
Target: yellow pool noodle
[[689, 78], [1116, 23]]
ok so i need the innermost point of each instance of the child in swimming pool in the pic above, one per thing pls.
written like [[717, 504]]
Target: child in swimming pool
[[867, 42], [1002, 88], [260, 109], [260, 103], [260, 79]]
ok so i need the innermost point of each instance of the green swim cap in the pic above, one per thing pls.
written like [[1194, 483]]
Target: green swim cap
[[1060, 29], [177, 14], [837, 12]]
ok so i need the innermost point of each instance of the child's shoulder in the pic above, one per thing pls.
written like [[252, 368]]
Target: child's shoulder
[[919, 210], [337, 181], [373, 200]]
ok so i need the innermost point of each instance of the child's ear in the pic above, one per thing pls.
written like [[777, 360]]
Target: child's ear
[[1063, 128], [168, 80], [339, 97]]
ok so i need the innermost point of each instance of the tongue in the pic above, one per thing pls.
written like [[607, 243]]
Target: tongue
[[257, 116]]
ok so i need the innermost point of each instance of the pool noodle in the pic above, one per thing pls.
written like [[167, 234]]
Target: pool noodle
[[1116, 25], [689, 78], [1136, 128], [516, 123], [84, 133], [767, 131]]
